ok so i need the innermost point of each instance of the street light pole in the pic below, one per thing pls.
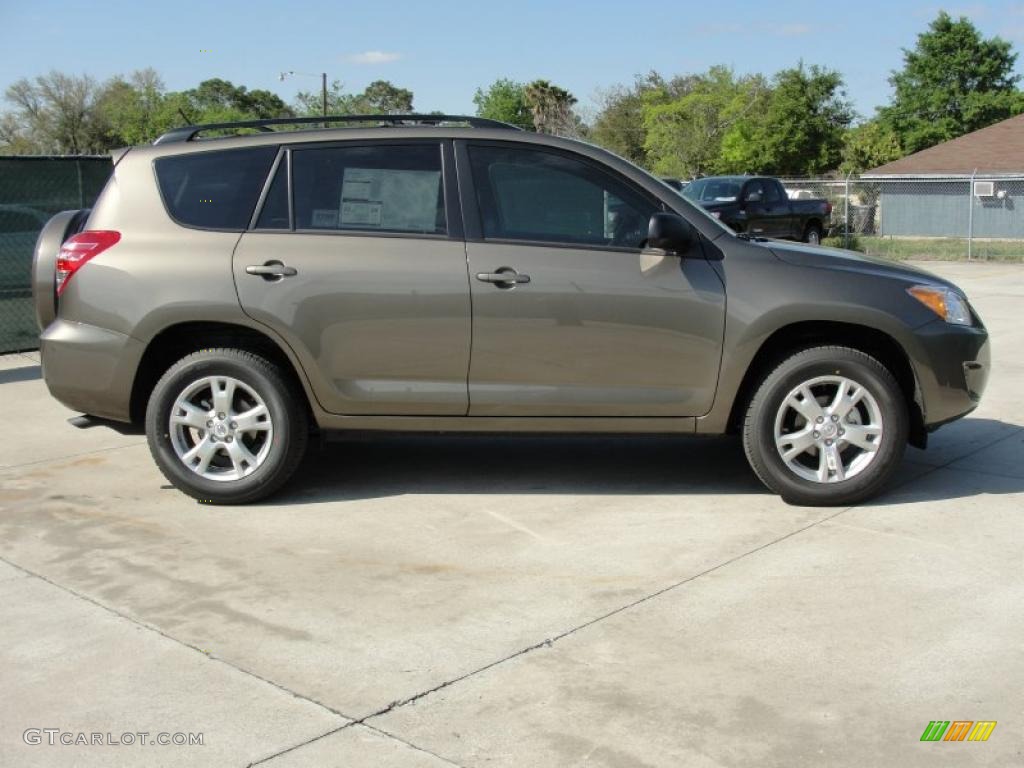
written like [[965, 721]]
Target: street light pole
[[323, 83]]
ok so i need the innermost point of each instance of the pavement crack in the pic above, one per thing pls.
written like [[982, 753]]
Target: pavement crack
[[178, 641], [550, 641]]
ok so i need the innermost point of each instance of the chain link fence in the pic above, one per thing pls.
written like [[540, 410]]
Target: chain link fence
[[32, 189], [961, 217]]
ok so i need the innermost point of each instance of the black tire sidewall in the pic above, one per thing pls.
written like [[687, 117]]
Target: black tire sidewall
[[263, 378], [831, 362]]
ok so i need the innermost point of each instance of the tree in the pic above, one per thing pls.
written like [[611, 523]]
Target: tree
[[217, 100], [868, 146], [504, 100], [55, 113], [619, 125], [135, 109], [551, 108], [687, 119], [380, 97], [801, 130], [953, 82]]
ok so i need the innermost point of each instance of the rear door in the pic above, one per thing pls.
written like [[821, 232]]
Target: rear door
[[778, 209], [356, 258], [570, 317]]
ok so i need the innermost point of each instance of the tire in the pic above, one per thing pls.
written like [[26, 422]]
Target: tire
[[812, 234], [830, 470], [241, 466]]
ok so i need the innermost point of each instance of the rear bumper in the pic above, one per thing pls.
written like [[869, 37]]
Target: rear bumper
[[90, 369], [952, 371]]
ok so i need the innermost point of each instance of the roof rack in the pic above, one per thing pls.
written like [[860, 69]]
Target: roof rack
[[190, 132]]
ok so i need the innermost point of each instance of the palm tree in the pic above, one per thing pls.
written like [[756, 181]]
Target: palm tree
[[551, 107]]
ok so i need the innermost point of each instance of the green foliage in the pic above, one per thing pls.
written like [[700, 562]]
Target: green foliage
[[380, 97], [800, 133], [687, 120], [504, 100], [868, 146], [619, 125], [953, 82]]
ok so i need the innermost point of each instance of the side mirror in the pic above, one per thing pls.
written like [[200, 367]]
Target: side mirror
[[669, 233]]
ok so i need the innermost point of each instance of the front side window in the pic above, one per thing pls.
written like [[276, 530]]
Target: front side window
[[214, 190], [383, 188], [754, 192], [531, 195]]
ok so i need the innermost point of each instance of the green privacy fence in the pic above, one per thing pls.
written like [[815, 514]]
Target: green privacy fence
[[32, 189]]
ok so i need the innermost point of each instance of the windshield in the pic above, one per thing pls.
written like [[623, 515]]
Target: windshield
[[713, 190]]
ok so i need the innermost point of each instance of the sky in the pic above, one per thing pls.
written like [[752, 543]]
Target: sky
[[444, 50]]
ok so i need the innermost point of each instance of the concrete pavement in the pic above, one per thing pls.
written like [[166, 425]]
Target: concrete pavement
[[430, 601]]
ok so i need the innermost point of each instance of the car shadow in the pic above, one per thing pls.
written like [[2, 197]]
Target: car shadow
[[23, 373], [375, 466], [372, 466]]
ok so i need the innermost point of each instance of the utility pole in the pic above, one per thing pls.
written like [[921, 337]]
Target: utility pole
[[323, 85]]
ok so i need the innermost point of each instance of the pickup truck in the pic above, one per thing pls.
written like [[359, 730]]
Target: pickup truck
[[759, 205]]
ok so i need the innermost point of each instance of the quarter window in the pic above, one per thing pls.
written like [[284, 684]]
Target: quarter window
[[214, 190], [384, 188], [525, 194]]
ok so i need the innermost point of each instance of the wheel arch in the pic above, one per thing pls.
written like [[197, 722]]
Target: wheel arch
[[176, 341], [790, 339]]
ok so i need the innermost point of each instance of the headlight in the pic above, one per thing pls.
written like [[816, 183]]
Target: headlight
[[944, 302]]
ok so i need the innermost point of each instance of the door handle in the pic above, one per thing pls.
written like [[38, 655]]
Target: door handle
[[503, 277], [271, 270]]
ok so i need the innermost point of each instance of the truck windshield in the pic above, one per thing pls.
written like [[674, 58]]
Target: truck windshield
[[713, 190]]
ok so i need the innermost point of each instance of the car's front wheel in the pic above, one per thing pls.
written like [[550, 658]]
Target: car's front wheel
[[226, 426], [828, 426]]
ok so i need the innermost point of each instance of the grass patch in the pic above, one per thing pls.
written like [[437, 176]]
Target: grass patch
[[932, 248]]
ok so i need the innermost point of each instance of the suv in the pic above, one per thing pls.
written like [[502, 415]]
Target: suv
[[441, 273]]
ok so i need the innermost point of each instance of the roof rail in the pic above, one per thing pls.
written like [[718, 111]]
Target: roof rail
[[190, 132]]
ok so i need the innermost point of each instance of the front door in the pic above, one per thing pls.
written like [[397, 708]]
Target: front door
[[364, 275], [570, 318]]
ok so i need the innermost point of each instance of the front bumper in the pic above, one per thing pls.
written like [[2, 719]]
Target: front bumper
[[90, 369], [952, 365]]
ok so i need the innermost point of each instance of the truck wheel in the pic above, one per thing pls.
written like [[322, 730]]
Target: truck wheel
[[827, 427], [812, 234], [226, 426]]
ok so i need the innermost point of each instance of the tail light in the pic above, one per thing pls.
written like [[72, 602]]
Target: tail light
[[78, 249], [828, 209]]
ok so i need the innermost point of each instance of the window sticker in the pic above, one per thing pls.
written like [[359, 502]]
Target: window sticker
[[382, 198], [325, 218]]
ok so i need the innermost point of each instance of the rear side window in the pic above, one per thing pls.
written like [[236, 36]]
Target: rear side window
[[214, 190], [384, 188]]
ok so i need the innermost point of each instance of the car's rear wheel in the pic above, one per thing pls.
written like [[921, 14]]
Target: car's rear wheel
[[226, 426], [812, 234], [828, 426]]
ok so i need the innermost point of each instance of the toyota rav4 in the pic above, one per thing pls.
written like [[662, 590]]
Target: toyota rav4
[[441, 273]]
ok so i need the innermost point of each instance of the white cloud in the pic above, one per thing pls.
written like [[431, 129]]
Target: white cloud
[[789, 30], [374, 57]]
